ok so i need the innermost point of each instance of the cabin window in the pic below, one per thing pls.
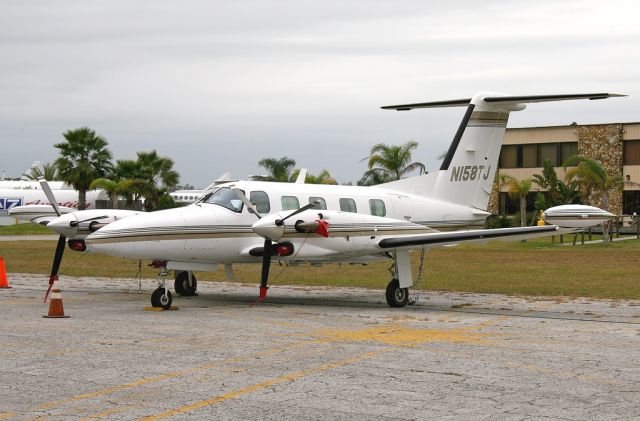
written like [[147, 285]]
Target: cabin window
[[290, 203], [348, 205], [260, 200], [377, 208], [226, 198], [322, 205]]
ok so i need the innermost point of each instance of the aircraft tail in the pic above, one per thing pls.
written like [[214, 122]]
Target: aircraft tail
[[467, 173]]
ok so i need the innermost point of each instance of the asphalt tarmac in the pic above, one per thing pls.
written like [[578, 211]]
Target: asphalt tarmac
[[313, 353]]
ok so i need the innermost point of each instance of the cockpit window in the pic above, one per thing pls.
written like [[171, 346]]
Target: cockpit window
[[226, 198]]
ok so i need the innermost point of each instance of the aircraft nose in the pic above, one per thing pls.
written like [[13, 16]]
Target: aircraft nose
[[63, 225]]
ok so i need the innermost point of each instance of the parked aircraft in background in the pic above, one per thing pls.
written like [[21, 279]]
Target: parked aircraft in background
[[11, 198], [72, 225], [253, 221]]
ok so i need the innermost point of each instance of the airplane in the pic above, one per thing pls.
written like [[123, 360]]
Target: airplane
[[33, 201], [253, 221], [72, 225], [185, 197]]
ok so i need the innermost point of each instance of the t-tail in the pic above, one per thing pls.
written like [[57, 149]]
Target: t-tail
[[469, 168]]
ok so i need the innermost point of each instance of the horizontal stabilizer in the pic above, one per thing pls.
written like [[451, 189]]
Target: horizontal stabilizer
[[435, 104], [548, 98], [500, 99]]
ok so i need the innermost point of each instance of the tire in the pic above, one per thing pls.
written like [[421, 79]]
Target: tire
[[158, 299], [181, 284], [396, 296]]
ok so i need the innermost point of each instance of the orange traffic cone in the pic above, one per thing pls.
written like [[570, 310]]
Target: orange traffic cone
[[4, 282], [56, 310]]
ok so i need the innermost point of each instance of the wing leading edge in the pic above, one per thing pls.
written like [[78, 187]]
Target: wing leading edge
[[456, 237]]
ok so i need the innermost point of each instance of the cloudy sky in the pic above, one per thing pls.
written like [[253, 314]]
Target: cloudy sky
[[218, 85]]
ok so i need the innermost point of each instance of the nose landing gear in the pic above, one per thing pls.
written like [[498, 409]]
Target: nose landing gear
[[161, 297]]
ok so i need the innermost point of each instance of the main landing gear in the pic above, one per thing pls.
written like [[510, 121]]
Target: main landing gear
[[185, 284], [396, 296]]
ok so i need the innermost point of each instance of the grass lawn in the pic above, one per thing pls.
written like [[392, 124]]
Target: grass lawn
[[25, 229], [536, 267]]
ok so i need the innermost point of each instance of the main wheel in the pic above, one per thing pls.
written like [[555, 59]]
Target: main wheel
[[158, 299], [396, 296], [181, 284]]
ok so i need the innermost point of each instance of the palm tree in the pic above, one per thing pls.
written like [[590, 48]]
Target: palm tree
[[394, 161], [279, 169], [592, 178], [518, 190], [373, 177], [324, 177], [49, 172], [83, 157], [158, 175], [558, 192]]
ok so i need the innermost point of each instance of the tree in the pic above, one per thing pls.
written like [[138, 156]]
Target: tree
[[322, 178], [518, 190], [279, 169], [392, 162], [83, 157], [592, 178], [557, 192], [373, 177], [157, 176], [49, 172]]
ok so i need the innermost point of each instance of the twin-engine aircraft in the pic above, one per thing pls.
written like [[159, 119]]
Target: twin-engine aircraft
[[254, 221]]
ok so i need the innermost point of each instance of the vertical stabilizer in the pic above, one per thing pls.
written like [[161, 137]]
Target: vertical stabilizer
[[469, 168]]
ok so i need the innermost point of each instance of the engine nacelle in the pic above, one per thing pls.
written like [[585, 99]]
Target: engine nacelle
[[576, 216]]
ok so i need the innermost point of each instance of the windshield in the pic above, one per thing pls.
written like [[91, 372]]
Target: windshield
[[226, 198]]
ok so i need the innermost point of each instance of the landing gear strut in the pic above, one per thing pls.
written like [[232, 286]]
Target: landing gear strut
[[161, 297], [185, 284]]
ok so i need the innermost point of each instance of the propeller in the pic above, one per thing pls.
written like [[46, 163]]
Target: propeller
[[57, 258], [267, 251]]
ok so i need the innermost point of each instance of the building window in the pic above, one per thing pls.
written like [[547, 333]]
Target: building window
[[509, 206], [348, 205], [632, 152], [260, 200], [290, 203], [509, 156], [322, 205], [533, 155], [631, 202], [567, 150], [548, 152]]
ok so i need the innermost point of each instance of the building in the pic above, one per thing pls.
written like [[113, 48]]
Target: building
[[615, 145]]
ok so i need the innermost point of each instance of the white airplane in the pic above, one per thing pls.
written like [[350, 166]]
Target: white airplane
[[253, 221], [189, 196], [72, 225], [30, 203]]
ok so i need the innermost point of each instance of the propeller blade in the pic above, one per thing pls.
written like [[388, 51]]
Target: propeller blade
[[57, 258], [240, 194], [266, 265], [279, 222], [49, 194]]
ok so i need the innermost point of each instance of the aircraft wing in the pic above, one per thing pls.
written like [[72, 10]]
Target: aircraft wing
[[457, 237], [38, 214]]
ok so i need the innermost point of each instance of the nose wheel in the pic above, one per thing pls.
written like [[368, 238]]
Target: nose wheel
[[161, 297]]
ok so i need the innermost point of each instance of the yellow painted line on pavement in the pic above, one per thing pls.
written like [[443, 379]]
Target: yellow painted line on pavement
[[265, 384], [173, 374], [5, 415]]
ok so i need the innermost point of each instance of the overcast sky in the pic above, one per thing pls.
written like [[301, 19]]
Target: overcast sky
[[217, 86]]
